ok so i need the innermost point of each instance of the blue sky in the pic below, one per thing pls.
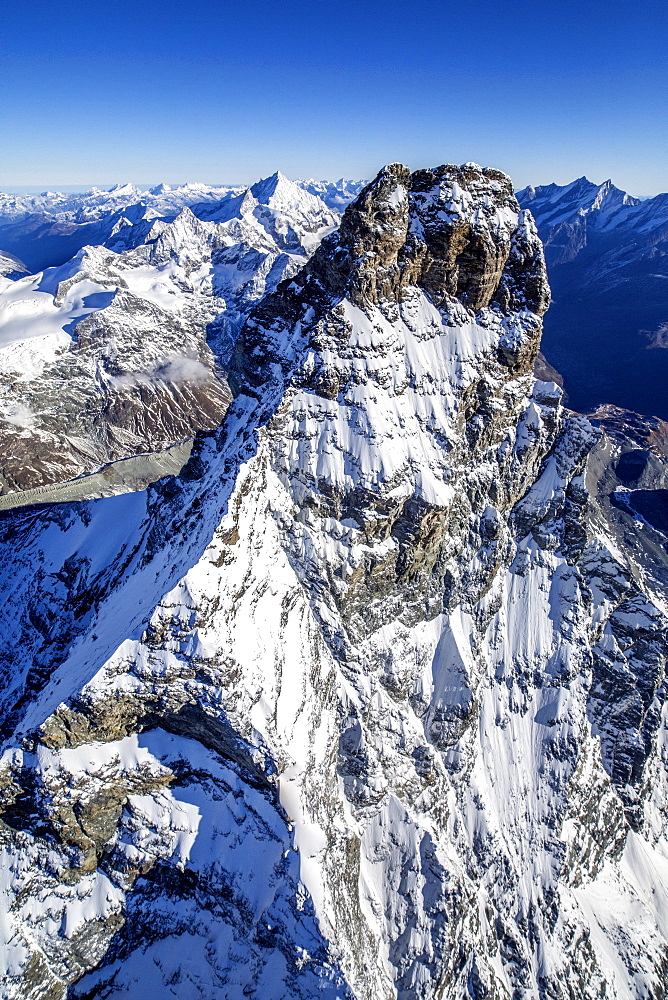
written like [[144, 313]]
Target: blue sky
[[95, 93]]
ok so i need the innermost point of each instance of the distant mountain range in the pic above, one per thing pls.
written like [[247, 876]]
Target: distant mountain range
[[46, 230], [607, 260], [136, 305]]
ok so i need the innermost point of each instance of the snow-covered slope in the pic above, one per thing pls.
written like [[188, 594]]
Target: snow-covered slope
[[134, 329], [607, 257], [10, 266], [367, 702]]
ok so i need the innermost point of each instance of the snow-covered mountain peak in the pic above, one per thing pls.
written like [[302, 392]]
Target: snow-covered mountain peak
[[236, 205], [121, 190], [191, 259], [600, 204], [291, 215], [278, 192], [247, 202], [377, 289], [607, 253], [607, 200], [269, 187], [186, 234], [49, 229]]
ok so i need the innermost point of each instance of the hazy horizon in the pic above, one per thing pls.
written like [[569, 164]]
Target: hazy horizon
[[37, 189]]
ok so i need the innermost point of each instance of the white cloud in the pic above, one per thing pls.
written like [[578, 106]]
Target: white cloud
[[174, 368], [18, 414]]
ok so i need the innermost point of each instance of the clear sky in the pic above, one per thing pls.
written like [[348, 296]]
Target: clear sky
[[96, 92]]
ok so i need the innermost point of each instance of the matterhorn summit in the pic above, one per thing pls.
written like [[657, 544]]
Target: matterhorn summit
[[367, 701]]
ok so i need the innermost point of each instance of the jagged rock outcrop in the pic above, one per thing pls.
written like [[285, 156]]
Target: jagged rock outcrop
[[367, 702]]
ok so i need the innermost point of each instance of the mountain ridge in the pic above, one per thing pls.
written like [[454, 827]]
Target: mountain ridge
[[607, 257]]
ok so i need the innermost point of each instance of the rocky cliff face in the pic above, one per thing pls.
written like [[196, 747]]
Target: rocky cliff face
[[368, 702]]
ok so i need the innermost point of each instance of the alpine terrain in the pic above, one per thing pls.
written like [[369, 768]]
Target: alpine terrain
[[84, 379], [607, 258], [368, 701]]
